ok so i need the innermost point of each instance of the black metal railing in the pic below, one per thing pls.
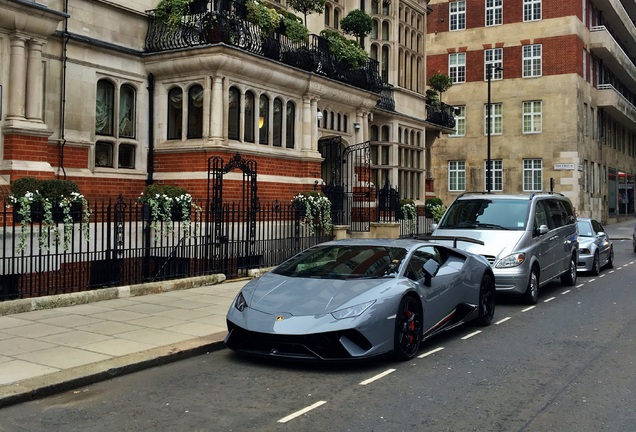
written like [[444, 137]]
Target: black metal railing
[[224, 21], [386, 101], [440, 114], [125, 247]]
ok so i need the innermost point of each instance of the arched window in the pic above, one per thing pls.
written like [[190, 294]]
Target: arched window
[[248, 134], [374, 52], [346, 123], [278, 123], [336, 18], [385, 63], [175, 113], [385, 8], [400, 135], [195, 112], [127, 111], [290, 125], [104, 107], [234, 113], [327, 15], [263, 120], [385, 133], [374, 30], [385, 30], [373, 133], [338, 122]]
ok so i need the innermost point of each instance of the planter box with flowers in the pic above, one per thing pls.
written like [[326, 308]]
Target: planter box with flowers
[[408, 212], [314, 211], [166, 204], [48, 202]]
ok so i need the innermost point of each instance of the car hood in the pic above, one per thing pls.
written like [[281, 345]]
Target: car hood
[[497, 243], [274, 294], [585, 242]]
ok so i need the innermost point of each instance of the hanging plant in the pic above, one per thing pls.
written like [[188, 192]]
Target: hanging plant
[[49, 202], [167, 204], [314, 210], [409, 213]]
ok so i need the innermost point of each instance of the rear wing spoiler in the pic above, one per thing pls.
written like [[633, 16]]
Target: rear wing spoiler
[[450, 238]]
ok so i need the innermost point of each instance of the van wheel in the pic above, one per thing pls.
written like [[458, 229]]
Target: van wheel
[[569, 278], [531, 296]]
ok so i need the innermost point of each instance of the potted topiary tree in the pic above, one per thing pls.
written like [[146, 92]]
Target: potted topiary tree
[[357, 23]]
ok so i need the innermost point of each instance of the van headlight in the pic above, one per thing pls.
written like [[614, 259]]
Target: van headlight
[[513, 260]]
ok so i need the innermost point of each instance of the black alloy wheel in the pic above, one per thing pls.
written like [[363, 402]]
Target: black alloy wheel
[[610, 260], [408, 329], [569, 277], [596, 265], [486, 301]]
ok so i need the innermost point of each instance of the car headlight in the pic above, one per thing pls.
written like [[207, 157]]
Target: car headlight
[[352, 311], [513, 260], [585, 251], [240, 302]]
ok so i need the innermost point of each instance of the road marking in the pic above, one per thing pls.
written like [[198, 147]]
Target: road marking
[[565, 292], [528, 308], [592, 280], [301, 412], [612, 271], [580, 285], [377, 377], [503, 320], [426, 354], [548, 300], [602, 276], [471, 335]]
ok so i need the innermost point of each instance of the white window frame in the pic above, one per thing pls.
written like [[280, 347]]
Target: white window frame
[[532, 116], [460, 122], [457, 67], [457, 15], [456, 176], [493, 56], [496, 173], [532, 10], [532, 175], [531, 63], [496, 118], [494, 12]]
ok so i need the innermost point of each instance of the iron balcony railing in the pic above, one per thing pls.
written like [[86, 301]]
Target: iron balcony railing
[[225, 21], [441, 114]]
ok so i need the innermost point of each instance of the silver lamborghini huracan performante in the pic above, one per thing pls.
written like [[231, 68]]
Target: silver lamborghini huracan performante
[[353, 299]]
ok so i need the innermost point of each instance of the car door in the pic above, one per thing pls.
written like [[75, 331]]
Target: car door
[[545, 243], [438, 294], [602, 241]]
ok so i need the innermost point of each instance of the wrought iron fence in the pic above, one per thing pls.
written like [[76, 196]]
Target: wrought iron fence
[[125, 247]]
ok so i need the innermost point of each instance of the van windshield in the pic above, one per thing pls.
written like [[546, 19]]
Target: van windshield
[[482, 213]]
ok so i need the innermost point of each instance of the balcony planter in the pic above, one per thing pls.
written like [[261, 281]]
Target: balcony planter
[[48, 202]]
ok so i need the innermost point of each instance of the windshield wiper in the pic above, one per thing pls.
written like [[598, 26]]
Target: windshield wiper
[[491, 226]]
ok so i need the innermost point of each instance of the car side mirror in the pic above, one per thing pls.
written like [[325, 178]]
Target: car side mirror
[[430, 268], [543, 229], [600, 234]]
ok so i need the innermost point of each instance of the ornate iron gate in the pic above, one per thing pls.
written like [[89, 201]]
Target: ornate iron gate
[[347, 171], [231, 227]]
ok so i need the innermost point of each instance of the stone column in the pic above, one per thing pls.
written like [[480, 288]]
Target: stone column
[[218, 115], [307, 127], [359, 131], [314, 124], [35, 82], [17, 78]]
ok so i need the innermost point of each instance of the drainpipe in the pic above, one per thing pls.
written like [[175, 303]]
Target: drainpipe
[[62, 142], [151, 128]]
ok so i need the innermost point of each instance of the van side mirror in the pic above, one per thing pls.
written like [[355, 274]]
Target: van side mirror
[[543, 229]]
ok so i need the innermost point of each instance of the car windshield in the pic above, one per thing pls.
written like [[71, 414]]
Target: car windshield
[[483, 213], [344, 262], [585, 229]]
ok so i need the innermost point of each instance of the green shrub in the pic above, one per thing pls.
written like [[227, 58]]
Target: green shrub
[[169, 191]]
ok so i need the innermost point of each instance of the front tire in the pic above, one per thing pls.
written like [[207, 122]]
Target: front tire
[[569, 277], [408, 329], [486, 301], [531, 296], [610, 260], [596, 265]]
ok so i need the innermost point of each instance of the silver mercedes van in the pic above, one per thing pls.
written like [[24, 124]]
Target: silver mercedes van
[[529, 239]]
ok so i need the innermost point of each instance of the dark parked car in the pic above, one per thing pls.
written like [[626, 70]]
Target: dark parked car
[[595, 247], [352, 299]]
